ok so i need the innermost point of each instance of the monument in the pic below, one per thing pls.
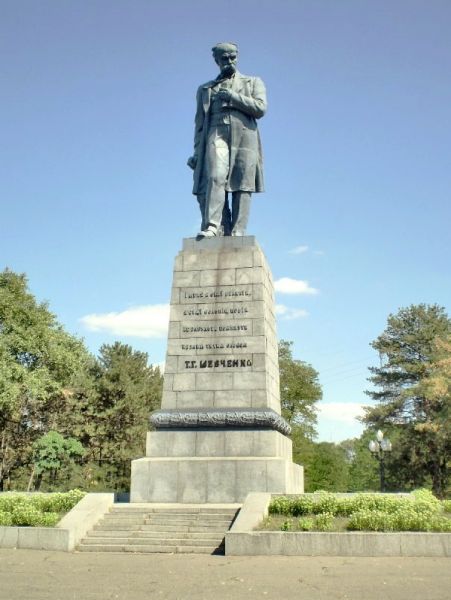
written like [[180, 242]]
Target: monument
[[227, 150], [219, 434]]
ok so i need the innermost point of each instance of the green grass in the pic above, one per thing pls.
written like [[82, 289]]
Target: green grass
[[420, 511], [36, 510]]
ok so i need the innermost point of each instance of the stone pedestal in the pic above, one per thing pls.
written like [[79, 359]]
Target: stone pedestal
[[219, 434]]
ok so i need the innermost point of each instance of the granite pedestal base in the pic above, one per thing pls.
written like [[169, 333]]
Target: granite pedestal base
[[210, 475], [219, 434]]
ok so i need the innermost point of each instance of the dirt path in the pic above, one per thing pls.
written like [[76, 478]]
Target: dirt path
[[41, 575]]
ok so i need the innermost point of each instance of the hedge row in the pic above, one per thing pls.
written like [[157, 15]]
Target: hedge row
[[420, 511], [36, 510]]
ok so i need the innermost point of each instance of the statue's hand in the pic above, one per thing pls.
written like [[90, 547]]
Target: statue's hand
[[192, 162], [225, 95]]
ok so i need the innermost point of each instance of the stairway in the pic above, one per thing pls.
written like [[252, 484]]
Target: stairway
[[171, 528]]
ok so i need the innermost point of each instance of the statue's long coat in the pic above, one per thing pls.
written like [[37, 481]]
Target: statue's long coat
[[247, 104]]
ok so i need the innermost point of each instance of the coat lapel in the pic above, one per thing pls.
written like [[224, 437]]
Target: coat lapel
[[239, 82], [206, 97]]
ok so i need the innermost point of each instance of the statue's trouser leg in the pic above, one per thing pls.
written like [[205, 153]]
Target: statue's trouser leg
[[226, 219], [241, 203], [201, 200], [226, 222], [217, 170]]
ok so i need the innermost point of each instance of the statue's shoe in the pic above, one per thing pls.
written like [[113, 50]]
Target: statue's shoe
[[210, 232]]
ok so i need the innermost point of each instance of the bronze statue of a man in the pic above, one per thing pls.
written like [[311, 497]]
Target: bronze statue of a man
[[227, 149]]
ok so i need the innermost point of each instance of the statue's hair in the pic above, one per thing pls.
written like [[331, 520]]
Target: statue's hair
[[223, 47]]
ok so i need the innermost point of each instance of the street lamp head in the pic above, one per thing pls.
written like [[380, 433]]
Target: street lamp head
[[373, 446], [380, 436], [386, 445]]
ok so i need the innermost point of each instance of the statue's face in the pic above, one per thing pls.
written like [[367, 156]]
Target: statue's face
[[227, 62]]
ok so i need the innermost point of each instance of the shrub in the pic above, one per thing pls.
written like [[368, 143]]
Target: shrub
[[371, 520], [36, 510], [48, 519], [9, 501], [426, 496], [420, 511], [280, 506], [5, 519], [324, 522], [306, 524], [26, 514], [326, 504], [286, 525]]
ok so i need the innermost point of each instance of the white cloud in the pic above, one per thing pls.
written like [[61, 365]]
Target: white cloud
[[149, 321], [286, 285], [298, 250], [290, 313], [341, 412]]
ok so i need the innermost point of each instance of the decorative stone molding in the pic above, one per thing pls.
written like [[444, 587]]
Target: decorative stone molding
[[220, 417]]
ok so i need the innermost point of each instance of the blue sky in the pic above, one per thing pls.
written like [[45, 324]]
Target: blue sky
[[96, 119]]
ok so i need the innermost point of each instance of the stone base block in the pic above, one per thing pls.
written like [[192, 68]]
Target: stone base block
[[212, 479], [218, 443]]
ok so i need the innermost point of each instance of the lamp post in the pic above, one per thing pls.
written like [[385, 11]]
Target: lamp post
[[379, 447]]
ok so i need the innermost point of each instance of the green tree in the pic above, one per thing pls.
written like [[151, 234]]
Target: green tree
[[38, 362], [413, 394], [115, 401], [300, 390], [52, 454], [363, 467], [328, 468]]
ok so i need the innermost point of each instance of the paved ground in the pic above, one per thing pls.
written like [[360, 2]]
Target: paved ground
[[41, 575]]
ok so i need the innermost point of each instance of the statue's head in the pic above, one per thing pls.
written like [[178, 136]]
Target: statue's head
[[226, 57]]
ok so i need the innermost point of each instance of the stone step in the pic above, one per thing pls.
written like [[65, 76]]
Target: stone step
[[223, 523], [121, 541], [150, 549], [146, 527], [157, 534], [124, 509], [167, 517], [194, 528], [163, 521], [156, 517], [183, 523], [132, 514]]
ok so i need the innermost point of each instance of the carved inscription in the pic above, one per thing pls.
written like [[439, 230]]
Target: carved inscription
[[224, 363], [213, 328], [212, 317], [218, 346], [197, 295], [211, 311]]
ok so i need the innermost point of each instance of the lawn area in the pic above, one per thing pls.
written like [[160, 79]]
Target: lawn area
[[323, 511], [36, 510]]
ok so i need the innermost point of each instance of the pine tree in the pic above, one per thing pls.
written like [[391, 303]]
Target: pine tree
[[117, 400], [413, 393]]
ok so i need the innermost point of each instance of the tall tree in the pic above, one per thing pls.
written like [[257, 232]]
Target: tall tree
[[413, 392], [363, 467], [300, 390], [52, 454], [38, 362], [123, 389], [328, 468]]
